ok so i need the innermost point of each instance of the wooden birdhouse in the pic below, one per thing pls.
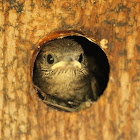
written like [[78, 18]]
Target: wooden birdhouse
[[114, 26]]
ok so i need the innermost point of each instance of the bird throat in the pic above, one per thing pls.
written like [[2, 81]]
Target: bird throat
[[68, 85]]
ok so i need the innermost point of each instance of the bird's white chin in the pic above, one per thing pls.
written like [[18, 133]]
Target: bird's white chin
[[67, 64]]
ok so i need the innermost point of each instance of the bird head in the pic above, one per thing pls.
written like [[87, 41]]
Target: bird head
[[62, 56]]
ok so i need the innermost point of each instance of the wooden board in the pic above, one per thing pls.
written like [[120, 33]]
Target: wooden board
[[114, 25]]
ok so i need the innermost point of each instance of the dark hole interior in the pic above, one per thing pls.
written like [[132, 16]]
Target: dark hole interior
[[94, 51]]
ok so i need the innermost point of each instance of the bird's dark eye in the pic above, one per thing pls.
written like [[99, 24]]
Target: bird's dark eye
[[80, 58], [50, 59]]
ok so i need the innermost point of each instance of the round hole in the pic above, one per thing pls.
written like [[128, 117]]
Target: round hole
[[74, 73]]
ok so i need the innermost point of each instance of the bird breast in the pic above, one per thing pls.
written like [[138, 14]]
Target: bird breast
[[68, 85]]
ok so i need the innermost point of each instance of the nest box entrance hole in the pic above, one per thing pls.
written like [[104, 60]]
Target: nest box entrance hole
[[97, 67]]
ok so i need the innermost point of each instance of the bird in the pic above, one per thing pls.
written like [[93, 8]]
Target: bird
[[63, 73]]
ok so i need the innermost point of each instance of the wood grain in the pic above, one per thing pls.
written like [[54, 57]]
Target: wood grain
[[114, 25]]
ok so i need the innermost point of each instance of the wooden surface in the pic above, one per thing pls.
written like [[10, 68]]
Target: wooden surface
[[115, 26]]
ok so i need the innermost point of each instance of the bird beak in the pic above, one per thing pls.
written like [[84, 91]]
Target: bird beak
[[66, 64]]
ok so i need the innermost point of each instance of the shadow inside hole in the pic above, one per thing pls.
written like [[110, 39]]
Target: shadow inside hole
[[101, 72]]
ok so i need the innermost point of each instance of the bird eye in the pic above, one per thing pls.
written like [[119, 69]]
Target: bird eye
[[50, 59], [80, 58]]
